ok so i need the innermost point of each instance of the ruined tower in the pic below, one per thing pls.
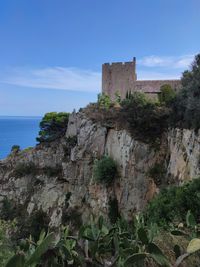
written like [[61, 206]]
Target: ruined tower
[[118, 77], [121, 77]]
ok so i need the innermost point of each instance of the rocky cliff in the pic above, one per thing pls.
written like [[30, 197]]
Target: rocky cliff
[[57, 178]]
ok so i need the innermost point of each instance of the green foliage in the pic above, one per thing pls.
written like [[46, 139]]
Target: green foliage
[[99, 244], [52, 171], [32, 256], [147, 128], [186, 108], [6, 248], [15, 149], [7, 211], [105, 170], [32, 224], [113, 211], [135, 98], [167, 94], [25, 224], [53, 126], [157, 172], [172, 203], [71, 140], [23, 169], [72, 217], [104, 101], [117, 97]]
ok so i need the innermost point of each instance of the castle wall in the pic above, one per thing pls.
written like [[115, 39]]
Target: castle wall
[[118, 77], [153, 86], [121, 77]]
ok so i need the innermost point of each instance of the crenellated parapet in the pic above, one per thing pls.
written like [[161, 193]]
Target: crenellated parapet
[[120, 77]]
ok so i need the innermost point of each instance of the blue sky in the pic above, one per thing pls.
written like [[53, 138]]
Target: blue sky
[[51, 51]]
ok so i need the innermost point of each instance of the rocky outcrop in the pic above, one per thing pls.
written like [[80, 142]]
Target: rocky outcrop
[[58, 177], [184, 154]]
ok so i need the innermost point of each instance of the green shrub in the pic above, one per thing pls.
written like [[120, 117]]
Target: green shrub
[[7, 211], [33, 224], [186, 108], [73, 217], [22, 169], [53, 171], [113, 210], [105, 170], [6, 246], [104, 101], [172, 203], [136, 98], [149, 127], [71, 140], [157, 172], [53, 126], [167, 94], [15, 148]]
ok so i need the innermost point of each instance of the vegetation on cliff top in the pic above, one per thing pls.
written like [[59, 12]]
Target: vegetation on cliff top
[[52, 126], [120, 243], [147, 119], [185, 107]]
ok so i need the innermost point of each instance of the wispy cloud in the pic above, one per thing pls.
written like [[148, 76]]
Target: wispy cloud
[[75, 79], [54, 78], [180, 62]]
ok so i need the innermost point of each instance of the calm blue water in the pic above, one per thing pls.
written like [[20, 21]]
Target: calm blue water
[[20, 131]]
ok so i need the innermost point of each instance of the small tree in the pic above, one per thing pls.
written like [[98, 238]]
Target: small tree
[[167, 94], [105, 170], [52, 126], [15, 149], [134, 98], [186, 108], [104, 101], [117, 97]]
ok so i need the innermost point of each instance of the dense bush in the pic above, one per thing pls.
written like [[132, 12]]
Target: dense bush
[[113, 210], [22, 169], [167, 94], [25, 224], [104, 101], [52, 171], [53, 126], [146, 119], [172, 203], [186, 108], [157, 172], [105, 170], [15, 149], [134, 98], [6, 246], [99, 244]]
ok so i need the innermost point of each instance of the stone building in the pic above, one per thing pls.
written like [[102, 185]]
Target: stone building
[[121, 77]]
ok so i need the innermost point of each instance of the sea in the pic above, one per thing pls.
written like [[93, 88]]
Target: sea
[[20, 131]]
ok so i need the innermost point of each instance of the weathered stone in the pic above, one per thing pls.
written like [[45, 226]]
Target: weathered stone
[[179, 151]]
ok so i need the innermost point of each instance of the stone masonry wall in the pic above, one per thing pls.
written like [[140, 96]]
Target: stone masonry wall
[[118, 77], [121, 77], [153, 86]]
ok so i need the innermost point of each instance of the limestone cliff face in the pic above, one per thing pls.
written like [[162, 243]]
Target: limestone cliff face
[[184, 154], [61, 177]]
